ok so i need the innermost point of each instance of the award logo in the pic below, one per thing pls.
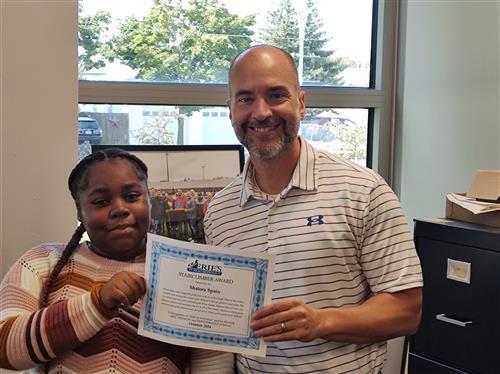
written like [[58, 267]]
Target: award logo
[[197, 266]]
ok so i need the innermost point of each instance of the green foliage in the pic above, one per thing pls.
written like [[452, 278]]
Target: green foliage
[[93, 53], [183, 41], [352, 138], [320, 66], [283, 29], [186, 41]]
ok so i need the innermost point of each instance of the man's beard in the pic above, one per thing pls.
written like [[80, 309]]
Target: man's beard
[[286, 139]]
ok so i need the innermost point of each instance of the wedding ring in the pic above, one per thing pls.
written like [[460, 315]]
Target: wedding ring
[[283, 327]]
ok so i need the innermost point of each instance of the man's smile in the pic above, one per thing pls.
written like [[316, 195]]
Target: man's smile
[[263, 129]]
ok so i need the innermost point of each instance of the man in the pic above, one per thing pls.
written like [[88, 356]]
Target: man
[[180, 200], [347, 276], [191, 214], [158, 213]]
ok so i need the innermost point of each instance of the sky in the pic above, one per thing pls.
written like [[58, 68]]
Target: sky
[[348, 22], [192, 165]]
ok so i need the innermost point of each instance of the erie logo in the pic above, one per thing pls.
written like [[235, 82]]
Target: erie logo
[[198, 267]]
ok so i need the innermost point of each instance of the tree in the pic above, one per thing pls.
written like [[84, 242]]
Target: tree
[[352, 138], [183, 41], [283, 29], [157, 131], [320, 66], [93, 52]]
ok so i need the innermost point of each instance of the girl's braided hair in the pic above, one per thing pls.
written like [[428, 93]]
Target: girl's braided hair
[[77, 182]]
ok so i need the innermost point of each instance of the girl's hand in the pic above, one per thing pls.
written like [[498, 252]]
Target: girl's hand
[[124, 288]]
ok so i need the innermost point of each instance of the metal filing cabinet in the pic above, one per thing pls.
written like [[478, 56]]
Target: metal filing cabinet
[[460, 328]]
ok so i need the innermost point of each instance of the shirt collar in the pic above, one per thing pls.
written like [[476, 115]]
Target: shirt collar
[[303, 176]]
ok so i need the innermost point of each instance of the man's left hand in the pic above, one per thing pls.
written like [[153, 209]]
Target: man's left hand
[[289, 319]]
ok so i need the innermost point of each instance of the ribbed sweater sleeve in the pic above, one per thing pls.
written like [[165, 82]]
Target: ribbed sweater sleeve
[[29, 335]]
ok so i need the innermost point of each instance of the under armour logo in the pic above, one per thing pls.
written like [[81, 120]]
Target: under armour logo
[[315, 220]]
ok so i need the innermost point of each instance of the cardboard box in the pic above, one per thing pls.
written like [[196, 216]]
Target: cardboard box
[[484, 188], [455, 211]]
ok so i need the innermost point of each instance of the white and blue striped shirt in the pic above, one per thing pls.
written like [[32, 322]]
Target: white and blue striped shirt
[[339, 236]]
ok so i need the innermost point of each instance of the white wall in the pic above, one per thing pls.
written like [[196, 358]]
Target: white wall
[[448, 122], [39, 93], [448, 107]]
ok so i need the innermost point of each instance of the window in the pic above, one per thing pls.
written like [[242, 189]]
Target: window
[[343, 49]]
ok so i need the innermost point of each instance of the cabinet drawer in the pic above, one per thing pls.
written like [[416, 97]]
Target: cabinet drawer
[[459, 320], [421, 365]]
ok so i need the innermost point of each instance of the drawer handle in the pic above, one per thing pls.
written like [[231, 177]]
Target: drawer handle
[[442, 317]]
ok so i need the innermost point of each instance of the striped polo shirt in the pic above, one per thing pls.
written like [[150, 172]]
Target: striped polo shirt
[[339, 236]]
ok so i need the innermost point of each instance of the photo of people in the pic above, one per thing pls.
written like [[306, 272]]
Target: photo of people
[[179, 213], [182, 181]]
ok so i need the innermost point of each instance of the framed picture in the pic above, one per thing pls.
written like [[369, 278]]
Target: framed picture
[[182, 180]]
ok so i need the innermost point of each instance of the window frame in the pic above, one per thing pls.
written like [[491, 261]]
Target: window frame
[[378, 98]]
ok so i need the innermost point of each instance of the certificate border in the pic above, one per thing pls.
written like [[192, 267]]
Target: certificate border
[[259, 265]]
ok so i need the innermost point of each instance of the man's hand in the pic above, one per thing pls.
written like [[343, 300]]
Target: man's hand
[[290, 319], [124, 288]]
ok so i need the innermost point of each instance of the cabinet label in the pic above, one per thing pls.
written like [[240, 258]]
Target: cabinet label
[[458, 270]]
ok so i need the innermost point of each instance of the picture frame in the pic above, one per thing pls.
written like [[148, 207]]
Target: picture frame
[[182, 179]]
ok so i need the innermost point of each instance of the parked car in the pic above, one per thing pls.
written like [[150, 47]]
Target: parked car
[[89, 130]]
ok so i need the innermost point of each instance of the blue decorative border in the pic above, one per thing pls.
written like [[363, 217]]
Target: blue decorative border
[[260, 266]]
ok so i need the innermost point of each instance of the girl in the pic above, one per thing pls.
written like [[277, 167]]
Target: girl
[[75, 308]]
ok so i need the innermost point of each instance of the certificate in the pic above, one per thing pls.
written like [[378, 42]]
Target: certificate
[[204, 296]]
